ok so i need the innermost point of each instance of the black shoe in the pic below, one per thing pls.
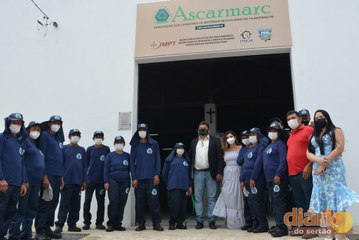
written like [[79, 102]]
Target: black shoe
[[120, 228], [181, 226], [171, 227], [41, 236], [157, 227], [212, 225], [273, 229], [27, 238], [199, 225], [280, 232], [74, 229], [140, 228], [100, 227], [58, 229], [250, 229], [109, 229], [260, 230], [52, 234], [246, 227], [85, 227]]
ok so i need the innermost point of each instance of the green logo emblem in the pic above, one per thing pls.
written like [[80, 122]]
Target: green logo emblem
[[162, 15]]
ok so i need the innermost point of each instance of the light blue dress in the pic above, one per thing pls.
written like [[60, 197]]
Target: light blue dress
[[330, 191]]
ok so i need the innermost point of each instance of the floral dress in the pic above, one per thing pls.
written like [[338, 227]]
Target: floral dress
[[330, 191]]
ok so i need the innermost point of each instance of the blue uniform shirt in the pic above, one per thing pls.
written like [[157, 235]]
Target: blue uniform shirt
[[117, 167], [52, 150], [74, 164], [11, 160], [145, 161], [275, 161], [95, 163], [253, 164], [34, 163], [176, 173]]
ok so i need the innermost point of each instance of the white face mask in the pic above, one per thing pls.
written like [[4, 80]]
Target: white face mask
[[273, 135], [98, 141], [179, 151], [74, 139], [55, 127], [119, 146], [293, 123], [142, 134], [246, 141], [253, 139], [14, 128], [34, 134], [231, 140]]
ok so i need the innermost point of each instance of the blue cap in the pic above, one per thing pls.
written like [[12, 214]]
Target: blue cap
[[55, 118], [119, 139], [304, 112], [275, 126], [33, 123], [142, 125], [98, 133], [15, 117], [179, 144], [255, 130], [275, 119], [74, 132], [244, 133]]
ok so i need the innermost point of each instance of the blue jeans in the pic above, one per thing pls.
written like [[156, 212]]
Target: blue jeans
[[204, 182], [301, 191], [26, 213], [117, 194], [8, 202], [69, 205], [100, 197]]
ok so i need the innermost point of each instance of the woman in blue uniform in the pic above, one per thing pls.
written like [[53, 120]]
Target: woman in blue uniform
[[176, 174], [276, 173], [35, 166], [255, 181], [117, 182]]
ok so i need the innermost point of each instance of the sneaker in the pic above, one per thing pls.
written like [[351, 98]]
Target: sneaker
[[100, 227], [212, 225], [140, 228], [85, 227], [157, 227], [74, 229], [110, 229], [58, 229], [52, 234], [199, 225], [181, 226], [172, 227]]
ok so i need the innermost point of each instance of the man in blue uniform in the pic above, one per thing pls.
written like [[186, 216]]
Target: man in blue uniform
[[145, 172], [51, 141], [12, 170], [96, 155], [74, 182]]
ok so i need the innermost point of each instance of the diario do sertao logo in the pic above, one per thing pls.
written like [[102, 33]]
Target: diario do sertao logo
[[162, 15]]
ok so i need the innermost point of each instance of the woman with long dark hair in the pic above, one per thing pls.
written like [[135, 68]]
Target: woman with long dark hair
[[325, 148]]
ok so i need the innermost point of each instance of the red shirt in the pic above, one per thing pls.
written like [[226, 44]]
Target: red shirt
[[297, 148]]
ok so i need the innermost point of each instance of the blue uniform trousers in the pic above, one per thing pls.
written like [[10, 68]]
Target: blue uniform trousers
[[26, 212], [69, 205], [147, 192], [279, 202], [8, 202], [117, 194], [46, 211], [257, 206], [178, 206], [247, 212], [100, 198]]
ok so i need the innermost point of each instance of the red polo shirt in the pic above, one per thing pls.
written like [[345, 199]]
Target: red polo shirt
[[297, 148]]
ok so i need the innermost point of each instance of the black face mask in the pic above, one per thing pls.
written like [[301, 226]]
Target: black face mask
[[306, 123], [321, 123], [203, 132]]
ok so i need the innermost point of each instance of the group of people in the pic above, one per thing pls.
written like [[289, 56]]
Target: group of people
[[35, 168]]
